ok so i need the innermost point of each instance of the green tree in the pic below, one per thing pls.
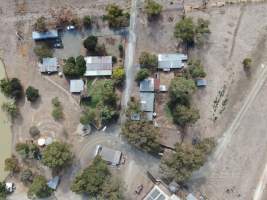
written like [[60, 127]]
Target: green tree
[[87, 22], [196, 69], [11, 88], [39, 188], [120, 47], [148, 60], [180, 165], [92, 179], [118, 75], [247, 64], [57, 155], [34, 131], [3, 191], [108, 114], [40, 24], [32, 94], [57, 111], [180, 90], [88, 116], [12, 165], [43, 51], [11, 108], [116, 17], [189, 32], [74, 67], [26, 176], [142, 74], [152, 9], [142, 135], [22, 149], [184, 116], [113, 189], [90, 43]]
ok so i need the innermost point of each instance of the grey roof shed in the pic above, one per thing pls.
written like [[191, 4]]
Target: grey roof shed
[[147, 85], [53, 183], [51, 34], [110, 155], [171, 61], [98, 66], [147, 101], [49, 65], [76, 86]]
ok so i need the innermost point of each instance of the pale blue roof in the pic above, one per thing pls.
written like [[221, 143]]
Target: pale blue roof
[[191, 197], [51, 34], [147, 85], [53, 183], [201, 82], [147, 101]]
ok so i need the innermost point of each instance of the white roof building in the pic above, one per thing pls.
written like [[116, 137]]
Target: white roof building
[[76, 86], [157, 193], [98, 66], [48, 65], [166, 62], [111, 156]]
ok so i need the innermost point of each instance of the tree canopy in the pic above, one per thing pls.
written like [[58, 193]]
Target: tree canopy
[[196, 69], [118, 75], [11, 88], [116, 17], [43, 51], [32, 94], [190, 32], [87, 22], [142, 74], [57, 111], [112, 189], [12, 164], [180, 164], [181, 90], [90, 43], [3, 192], [92, 179], [26, 176], [74, 67], [39, 188], [40, 24], [57, 155], [148, 60], [27, 150], [152, 9], [11, 108], [183, 115], [143, 135]]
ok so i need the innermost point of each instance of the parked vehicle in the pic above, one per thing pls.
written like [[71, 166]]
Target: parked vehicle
[[70, 27]]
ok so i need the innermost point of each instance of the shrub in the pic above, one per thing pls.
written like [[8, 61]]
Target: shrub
[[12, 165], [142, 74], [39, 188], [74, 67], [196, 69], [43, 51], [118, 75], [11, 108], [183, 115], [87, 22], [152, 9], [90, 43], [40, 24], [26, 176], [32, 94], [247, 63], [148, 60], [34, 131], [57, 112], [116, 17]]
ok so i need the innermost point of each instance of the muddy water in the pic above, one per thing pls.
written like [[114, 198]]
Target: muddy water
[[5, 131]]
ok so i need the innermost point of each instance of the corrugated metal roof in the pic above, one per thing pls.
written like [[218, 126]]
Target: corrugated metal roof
[[201, 82], [49, 65], [171, 61], [147, 101], [51, 34], [110, 155], [98, 66], [53, 183], [76, 86], [191, 197], [147, 85]]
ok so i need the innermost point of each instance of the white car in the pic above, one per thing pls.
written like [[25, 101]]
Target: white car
[[70, 27]]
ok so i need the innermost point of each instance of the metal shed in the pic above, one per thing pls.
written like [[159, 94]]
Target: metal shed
[[147, 85], [49, 65], [76, 86], [98, 66], [51, 34], [167, 62]]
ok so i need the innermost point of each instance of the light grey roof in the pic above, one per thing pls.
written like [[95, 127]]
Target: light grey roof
[[110, 155], [147, 101], [171, 61], [201, 82], [49, 65], [98, 66], [149, 116], [53, 183], [76, 86], [51, 34], [135, 116], [191, 197], [147, 85]]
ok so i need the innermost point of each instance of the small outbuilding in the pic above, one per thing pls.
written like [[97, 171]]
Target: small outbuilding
[[147, 85], [111, 156], [76, 86], [50, 34], [201, 82], [48, 65], [98, 66], [166, 62], [53, 183], [191, 197]]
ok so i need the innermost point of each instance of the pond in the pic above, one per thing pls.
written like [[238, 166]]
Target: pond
[[5, 131]]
